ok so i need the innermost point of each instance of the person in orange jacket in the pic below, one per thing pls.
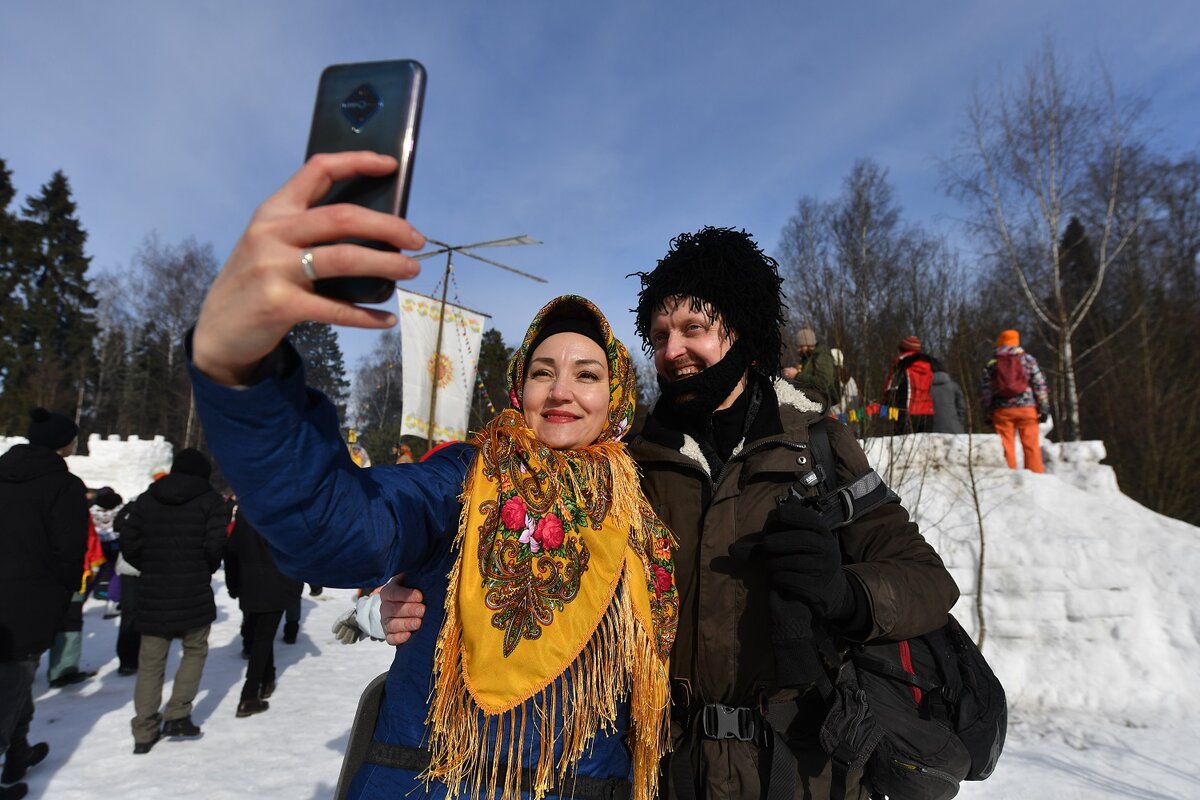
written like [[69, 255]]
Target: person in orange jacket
[[1015, 399]]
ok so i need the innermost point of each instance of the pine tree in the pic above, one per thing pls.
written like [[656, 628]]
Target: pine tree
[[1078, 268], [324, 368], [53, 306], [10, 307], [145, 404], [493, 372]]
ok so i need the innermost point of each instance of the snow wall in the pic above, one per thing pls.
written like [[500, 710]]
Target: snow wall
[[1089, 598]]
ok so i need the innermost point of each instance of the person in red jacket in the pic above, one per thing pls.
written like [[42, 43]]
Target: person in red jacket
[[908, 387]]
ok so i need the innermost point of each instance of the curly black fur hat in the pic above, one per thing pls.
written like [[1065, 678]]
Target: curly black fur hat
[[726, 269]]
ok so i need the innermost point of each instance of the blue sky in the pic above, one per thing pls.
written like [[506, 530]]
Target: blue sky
[[601, 129]]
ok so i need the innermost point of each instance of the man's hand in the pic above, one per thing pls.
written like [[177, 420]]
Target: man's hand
[[791, 619], [402, 608], [804, 560]]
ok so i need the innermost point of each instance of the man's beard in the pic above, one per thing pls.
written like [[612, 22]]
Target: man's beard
[[692, 400]]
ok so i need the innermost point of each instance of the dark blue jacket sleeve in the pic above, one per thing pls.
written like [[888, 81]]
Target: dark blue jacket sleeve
[[328, 521]]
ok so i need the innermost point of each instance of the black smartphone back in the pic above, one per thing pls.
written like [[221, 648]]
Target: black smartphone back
[[373, 105]]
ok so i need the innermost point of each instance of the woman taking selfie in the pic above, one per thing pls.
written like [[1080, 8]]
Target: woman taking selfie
[[546, 645]]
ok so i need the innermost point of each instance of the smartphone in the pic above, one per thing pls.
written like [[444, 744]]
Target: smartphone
[[374, 105]]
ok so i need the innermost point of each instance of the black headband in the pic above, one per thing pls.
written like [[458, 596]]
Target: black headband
[[580, 325]]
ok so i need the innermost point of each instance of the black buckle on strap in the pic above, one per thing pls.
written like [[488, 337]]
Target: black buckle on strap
[[728, 722]]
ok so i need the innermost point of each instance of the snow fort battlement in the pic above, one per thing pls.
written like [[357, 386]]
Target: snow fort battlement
[[128, 465]]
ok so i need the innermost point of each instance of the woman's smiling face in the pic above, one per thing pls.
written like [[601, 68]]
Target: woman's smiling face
[[565, 397]]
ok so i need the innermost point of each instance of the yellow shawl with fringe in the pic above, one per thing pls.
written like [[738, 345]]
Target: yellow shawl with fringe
[[561, 606]]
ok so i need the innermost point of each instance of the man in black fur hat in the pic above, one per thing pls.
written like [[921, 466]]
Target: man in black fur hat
[[725, 442], [42, 545]]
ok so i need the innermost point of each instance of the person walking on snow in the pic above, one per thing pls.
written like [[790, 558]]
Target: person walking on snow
[[263, 594], [1015, 399], [175, 534], [42, 544]]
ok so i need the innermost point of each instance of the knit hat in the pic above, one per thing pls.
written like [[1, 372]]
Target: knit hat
[[190, 461], [725, 270], [807, 337], [107, 498], [1008, 338], [47, 429], [910, 344]]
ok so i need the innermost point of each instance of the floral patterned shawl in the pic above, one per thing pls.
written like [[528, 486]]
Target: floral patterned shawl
[[562, 594]]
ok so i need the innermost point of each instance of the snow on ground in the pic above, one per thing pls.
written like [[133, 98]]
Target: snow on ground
[[1089, 605]]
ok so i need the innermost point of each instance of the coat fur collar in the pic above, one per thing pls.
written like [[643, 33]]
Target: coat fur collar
[[778, 394]]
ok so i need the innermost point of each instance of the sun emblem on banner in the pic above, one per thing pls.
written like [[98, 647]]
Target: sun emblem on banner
[[440, 369]]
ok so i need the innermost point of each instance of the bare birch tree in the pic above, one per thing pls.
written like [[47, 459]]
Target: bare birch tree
[[1032, 147]]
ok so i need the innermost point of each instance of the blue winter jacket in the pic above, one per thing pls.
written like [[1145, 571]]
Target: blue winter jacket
[[332, 523]]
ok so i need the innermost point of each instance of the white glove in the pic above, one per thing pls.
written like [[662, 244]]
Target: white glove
[[346, 629], [369, 619]]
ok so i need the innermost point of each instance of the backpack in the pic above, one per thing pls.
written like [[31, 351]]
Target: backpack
[[933, 714], [1009, 377], [919, 401], [917, 716]]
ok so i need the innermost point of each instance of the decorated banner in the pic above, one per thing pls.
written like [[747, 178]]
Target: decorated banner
[[453, 370]]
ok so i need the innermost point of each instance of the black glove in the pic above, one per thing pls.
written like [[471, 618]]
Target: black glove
[[805, 561], [790, 596], [796, 662], [1043, 416]]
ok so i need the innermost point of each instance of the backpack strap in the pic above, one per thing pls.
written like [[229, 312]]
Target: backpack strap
[[841, 506], [764, 726], [825, 466]]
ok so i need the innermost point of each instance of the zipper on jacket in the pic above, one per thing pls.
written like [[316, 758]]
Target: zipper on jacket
[[759, 445]]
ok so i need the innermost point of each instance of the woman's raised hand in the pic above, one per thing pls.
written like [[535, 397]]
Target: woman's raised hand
[[264, 290]]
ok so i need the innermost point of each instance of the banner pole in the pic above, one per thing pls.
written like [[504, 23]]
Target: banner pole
[[437, 354]]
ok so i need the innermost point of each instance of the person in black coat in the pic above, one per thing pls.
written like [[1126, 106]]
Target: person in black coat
[[42, 543], [175, 534], [129, 641], [263, 593]]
